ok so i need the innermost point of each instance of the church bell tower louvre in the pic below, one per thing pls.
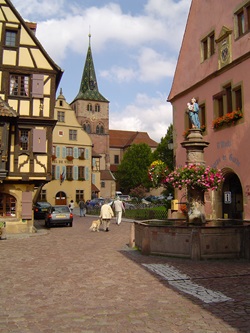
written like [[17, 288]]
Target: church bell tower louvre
[[92, 110]]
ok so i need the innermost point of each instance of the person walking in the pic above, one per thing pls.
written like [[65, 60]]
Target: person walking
[[71, 206], [119, 208], [82, 206], [106, 214]]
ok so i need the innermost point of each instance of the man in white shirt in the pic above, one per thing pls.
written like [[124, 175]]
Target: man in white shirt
[[119, 207]]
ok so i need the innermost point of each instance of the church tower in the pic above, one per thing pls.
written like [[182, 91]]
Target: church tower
[[92, 111]]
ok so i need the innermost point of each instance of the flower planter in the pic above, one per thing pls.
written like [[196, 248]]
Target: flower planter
[[227, 120]]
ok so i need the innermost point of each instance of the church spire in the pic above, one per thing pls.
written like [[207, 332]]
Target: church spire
[[89, 88]]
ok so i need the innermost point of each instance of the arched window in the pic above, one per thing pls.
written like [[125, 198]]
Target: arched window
[[97, 129], [89, 107], [101, 130], [87, 128], [97, 108], [7, 205]]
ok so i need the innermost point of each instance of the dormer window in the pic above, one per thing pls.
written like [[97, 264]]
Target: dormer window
[[11, 38]]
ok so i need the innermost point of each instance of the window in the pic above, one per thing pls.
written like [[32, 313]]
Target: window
[[102, 184], [43, 196], [87, 128], [73, 135], [227, 101], [69, 151], [238, 98], [97, 108], [61, 116], [24, 139], [116, 159], [79, 195], [11, 38], [69, 172], [19, 85], [99, 129], [81, 153], [81, 173], [89, 107], [208, 46], [7, 205], [242, 18]]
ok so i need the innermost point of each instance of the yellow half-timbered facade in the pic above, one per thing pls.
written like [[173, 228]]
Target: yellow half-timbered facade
[[28, 82]]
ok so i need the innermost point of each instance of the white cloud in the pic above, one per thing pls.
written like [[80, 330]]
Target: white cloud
[[119, 74], [153, 66], [152, 115]]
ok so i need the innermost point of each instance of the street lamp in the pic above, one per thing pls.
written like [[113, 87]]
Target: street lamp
[[171, 144]]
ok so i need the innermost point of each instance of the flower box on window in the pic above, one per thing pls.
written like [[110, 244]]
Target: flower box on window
[[70, 179], [228, 119], [69, 158], [53, 157], [81, 178]]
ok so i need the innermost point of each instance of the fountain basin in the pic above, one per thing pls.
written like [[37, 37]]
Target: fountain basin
[[192, 242]]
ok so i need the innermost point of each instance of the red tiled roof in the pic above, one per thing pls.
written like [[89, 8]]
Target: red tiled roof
[[106, 175], [94, 188], [6, 110], [122, 139]]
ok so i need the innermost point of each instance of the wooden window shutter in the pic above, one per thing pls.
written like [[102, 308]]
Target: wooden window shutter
[[75, 172], [39, 140], [87, 173], [37, 86], [27, 212]]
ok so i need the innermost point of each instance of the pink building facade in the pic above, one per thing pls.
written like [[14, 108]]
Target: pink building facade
[[214, 67]]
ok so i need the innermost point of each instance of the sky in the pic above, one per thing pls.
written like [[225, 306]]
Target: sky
[[135, 46]]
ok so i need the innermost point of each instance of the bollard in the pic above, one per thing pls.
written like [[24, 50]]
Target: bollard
[[2, 230], [132, 236]]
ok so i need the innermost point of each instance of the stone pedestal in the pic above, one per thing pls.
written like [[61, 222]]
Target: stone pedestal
[[195, 145]]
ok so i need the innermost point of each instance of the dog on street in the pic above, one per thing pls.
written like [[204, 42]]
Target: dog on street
[[95, 225]]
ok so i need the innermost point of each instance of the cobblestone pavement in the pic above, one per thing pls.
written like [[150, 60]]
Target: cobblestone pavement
[[72, 280]]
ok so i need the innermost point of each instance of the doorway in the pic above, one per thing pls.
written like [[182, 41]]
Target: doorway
[[232, 197], [61, 198]]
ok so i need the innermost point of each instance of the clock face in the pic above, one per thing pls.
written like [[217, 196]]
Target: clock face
[[224, 53], [93, 118]]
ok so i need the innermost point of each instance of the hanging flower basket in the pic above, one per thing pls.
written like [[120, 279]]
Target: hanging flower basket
[[69, 158], [53, 157], [157, 172], [228, 119]]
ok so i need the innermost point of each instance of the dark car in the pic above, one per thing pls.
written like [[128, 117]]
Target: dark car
[[40, 209], [58, 216], [97, 202]]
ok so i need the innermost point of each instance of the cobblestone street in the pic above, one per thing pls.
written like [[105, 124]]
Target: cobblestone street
[[65, 280]]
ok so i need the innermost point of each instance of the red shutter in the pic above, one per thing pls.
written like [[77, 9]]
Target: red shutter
[[27, 212], [39, 141], [37, 86]]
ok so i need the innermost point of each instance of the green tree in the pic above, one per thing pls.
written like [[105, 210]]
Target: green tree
[[162, 151], [133, 170]]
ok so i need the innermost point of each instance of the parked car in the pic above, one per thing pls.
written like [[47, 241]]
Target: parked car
[[59, 215], [97, 202], [129, 205], [125, 197], [40, 209]]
